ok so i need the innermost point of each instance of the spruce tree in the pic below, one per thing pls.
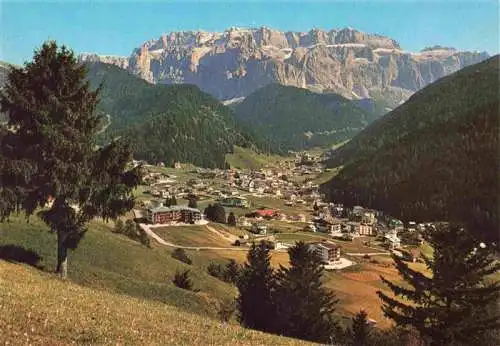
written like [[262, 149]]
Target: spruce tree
[[452, 306], [51, 152], [360, 330], [304, 307], [256, 309]]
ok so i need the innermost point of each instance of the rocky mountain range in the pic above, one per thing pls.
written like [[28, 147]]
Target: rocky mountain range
[[236, 62]]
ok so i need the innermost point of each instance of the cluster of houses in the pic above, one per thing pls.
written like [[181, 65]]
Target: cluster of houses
[[342, 222], [273, 183], [229, 187], [338, 221]]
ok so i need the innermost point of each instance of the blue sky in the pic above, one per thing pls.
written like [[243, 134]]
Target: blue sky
[[117, 27]]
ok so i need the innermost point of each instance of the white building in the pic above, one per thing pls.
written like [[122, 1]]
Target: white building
[[328, 251], [393, 240]]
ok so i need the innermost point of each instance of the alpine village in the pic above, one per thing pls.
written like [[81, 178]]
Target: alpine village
[[250, 186]]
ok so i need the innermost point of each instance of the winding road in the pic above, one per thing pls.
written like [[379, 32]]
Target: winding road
[[230, 238]]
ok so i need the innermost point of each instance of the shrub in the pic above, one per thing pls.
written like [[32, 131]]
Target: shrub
[[226, 310], [130, 229], [232, 272], [144, 238], [215, 270], [180, 254], [119, 227], [182, 280]]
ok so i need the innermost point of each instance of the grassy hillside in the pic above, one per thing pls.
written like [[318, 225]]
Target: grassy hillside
[[166, 123], [246, 158], [433, 158], [115, 263], [292, 118], [38, 308]]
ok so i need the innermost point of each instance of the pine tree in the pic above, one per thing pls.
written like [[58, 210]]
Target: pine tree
[[360, 330], [231, 219], [182, 280], [304, 307], [256, 309], [232, 271], [451, 307], [173, 201], [52, 154]]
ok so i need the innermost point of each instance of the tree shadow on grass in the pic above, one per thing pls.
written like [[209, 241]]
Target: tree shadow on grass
[[18, 254]]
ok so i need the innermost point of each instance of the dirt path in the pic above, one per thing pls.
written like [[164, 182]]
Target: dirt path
[[226, 235]]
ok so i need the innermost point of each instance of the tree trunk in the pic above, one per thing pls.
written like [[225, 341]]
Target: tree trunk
[[62, 255]]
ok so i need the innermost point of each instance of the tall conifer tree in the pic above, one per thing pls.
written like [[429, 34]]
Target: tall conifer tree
[[255, 285], [304, 306], [360, 330], [452, 306], [49, 153]]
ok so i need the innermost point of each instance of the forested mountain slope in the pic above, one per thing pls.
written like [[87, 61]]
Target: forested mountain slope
[[292, 118], [166, 123], [433, 158]]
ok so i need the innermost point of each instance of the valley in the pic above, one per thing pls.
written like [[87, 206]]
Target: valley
[[249, 185], [119, 265]]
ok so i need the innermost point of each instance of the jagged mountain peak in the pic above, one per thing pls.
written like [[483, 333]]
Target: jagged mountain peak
[[235, 62]]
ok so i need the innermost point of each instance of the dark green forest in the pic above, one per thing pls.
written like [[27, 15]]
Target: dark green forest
[[166, 123], [433, 158], [284, 115]]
